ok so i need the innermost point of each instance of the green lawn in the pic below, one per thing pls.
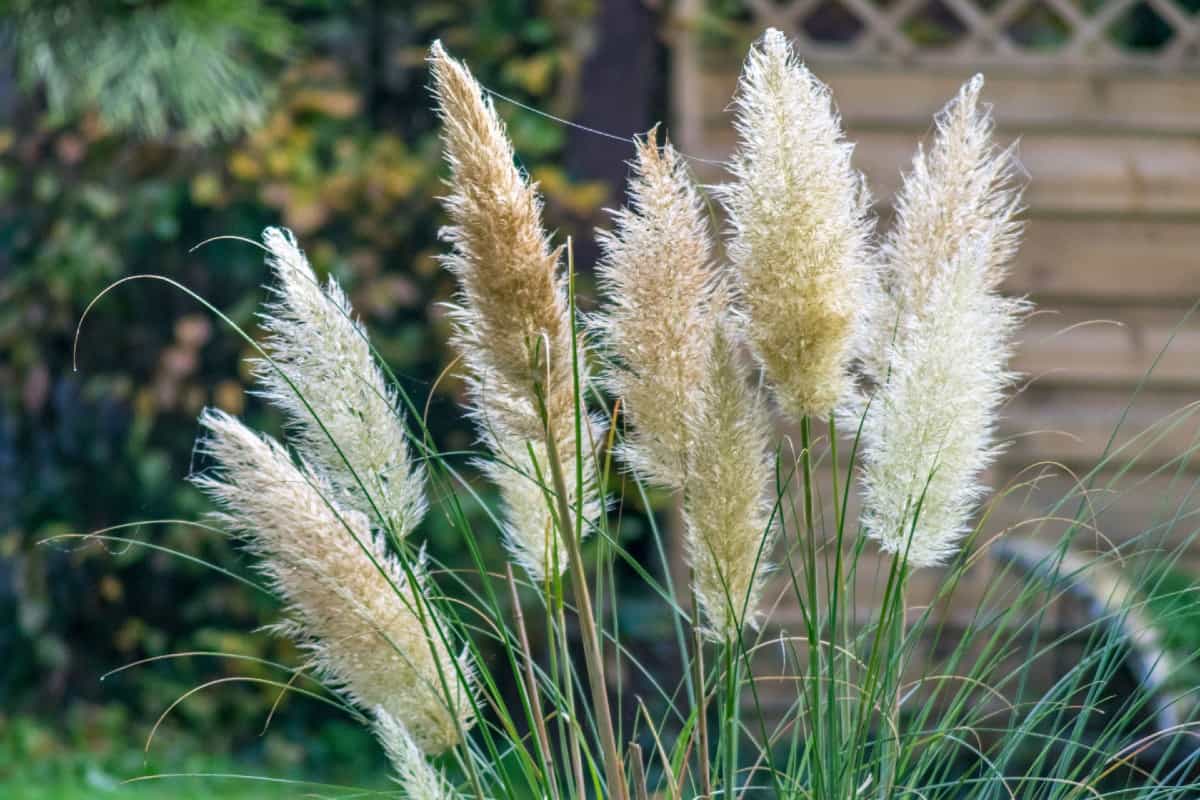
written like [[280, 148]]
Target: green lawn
[[106, 758], [96, 784], [170, 789]]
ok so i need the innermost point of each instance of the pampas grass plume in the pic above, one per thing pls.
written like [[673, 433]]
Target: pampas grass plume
[[944, 337], [657, 274], [512, 321], [367, 626], [343, 413], [799, 230], [419, 779], [697, 426], [729, 533]]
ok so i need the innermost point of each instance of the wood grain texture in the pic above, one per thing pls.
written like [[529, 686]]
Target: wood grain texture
[[1111, 255]]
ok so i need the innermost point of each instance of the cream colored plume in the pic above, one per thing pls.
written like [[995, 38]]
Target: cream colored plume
[[512, 321], [344, 414], [657, 274], [696, 423], [954, 194], [727, 511], [369, 629], [799, 230], [941, 355], [419, 779]]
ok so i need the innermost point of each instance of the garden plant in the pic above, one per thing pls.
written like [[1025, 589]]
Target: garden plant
[[819, 401]]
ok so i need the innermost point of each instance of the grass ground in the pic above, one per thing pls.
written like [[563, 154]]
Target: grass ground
[[35, 782], [41, 761], [182, 789]]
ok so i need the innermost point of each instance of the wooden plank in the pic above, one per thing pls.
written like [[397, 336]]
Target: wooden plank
[[908, 99], [1069, 426], [1068, 173], [1125, 260], [1084, 347], [1138, 511], [1054, 434], [1111, 173]]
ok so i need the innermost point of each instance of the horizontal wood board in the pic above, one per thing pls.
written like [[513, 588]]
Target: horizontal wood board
[[1111, 256]]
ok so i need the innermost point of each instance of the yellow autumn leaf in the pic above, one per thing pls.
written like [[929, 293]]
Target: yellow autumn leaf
[[337, 103], [244, 166]]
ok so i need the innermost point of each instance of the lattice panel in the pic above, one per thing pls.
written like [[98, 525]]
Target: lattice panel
[[1156, 34]]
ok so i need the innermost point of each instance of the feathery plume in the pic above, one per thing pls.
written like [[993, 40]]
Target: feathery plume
[[954, 194], [697, 424], [657, 273], [414, 773], [344, 414], [799, 229], [940, 360], [367, 627], [512, 320], [727, 513]]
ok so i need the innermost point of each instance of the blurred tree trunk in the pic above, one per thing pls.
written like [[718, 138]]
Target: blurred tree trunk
[[621, 81]]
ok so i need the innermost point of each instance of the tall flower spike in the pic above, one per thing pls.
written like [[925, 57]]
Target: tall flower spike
[[941, 356], [697, 424], [657, 273], [727, 512], [956, 193], [367, 627], [343, 412], [512, 321], [799, 230]]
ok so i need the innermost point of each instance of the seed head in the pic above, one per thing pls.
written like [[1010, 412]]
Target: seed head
[[512, 321], [343, 414], [727, 512], [367, 624], [943, 341], [798, 230], [657, 275]]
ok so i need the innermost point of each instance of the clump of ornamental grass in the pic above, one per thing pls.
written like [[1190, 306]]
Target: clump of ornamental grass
[[469, 676], [318, 522]]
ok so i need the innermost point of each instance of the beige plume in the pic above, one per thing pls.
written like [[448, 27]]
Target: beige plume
[[512, 320], [367, 626], [727, 511], [344, 414], [657, 274], [942, 340], [799, 230]]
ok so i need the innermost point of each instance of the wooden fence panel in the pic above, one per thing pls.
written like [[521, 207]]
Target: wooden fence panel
[[1110, 139]]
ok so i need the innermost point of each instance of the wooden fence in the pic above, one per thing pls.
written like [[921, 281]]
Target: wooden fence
[[1109, 124]]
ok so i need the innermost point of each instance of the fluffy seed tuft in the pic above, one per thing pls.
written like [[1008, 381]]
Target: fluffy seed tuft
[[657, 274], [799, 230], [943, 338], [414, 773], [367, 627], [512, 320], [727, 513], [342, 412]]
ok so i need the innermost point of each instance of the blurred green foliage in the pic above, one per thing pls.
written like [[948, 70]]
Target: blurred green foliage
[[197, 66], [93, 755], [131, 131]]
